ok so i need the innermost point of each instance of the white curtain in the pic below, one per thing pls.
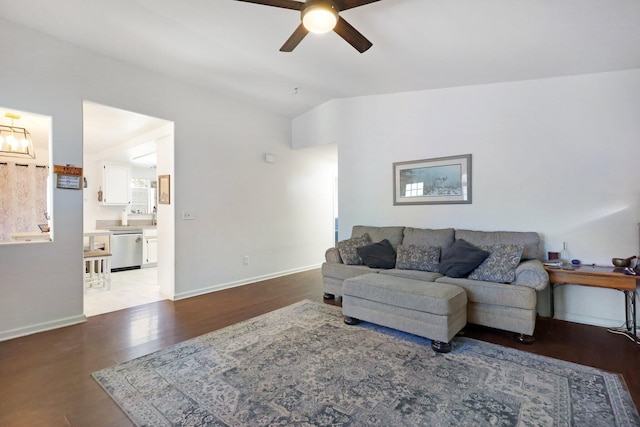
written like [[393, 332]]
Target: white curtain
[[23, 198]]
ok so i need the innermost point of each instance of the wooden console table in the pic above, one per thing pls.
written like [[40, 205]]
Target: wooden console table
[[601, 277]]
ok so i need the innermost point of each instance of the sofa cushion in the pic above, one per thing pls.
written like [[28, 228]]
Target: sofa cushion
[[530, 240], [416, 257], [349, 249], [425, 276], [500, 266], [461, 258], [378, 234], [378, 255], [343, 271], [441, 299], [442, 238], [495, 294]]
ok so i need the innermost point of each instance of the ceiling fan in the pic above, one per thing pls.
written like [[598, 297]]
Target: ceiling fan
[[321, 16]]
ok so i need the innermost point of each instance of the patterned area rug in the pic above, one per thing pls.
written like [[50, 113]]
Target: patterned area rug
[[301, 365]]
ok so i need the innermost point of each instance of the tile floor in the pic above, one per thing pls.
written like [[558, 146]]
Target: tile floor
[[128, 289]]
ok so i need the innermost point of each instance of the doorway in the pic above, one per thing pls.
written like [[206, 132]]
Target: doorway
[[142, 147]]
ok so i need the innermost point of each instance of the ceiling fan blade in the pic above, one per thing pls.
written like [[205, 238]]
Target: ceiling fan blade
[[285, 4], [352, 36], [350, 4], [295, 39]]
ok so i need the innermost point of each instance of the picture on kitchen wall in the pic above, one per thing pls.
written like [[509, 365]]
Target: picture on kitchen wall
[[442, 180], [164, 189]]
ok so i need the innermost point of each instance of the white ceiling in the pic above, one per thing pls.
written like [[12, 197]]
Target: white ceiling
[[108, 132], [232, 47]]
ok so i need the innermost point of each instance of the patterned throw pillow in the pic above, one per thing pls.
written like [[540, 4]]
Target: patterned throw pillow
[[415, 257], [348, 249], [501, 264]]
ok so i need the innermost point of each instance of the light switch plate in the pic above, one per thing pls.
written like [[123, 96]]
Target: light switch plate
[[188, 215]]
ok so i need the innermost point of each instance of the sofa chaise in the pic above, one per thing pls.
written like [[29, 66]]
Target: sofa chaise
[[501, 289]]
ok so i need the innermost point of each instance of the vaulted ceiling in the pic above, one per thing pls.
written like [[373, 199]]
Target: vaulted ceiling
[[232, 47]]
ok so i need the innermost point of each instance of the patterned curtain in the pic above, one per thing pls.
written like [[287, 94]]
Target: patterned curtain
[[23, 198]]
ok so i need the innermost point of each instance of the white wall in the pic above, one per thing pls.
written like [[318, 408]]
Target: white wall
[[558, 156], [278, 214]]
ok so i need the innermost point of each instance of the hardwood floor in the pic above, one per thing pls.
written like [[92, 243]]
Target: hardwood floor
[[45, 379]]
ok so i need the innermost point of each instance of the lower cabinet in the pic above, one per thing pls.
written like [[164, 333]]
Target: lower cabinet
[[149, 247]]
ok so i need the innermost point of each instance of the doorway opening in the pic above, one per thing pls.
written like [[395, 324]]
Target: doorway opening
[[123, 155]]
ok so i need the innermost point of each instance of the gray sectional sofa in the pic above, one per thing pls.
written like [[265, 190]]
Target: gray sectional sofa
[[491, 300]]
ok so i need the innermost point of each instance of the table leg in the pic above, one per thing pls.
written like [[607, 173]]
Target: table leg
[[551, 300], [634, 312], [630, 311], [627, 309]]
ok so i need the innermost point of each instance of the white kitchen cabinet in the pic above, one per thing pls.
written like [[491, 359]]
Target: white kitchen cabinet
[[116, 184], [149, 247]]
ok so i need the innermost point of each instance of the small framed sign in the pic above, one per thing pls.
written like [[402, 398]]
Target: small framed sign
[[69, 177], [69, 182]]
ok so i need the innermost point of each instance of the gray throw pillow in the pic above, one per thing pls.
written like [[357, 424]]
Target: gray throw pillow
[[461, 258], [348, 249], [500, 266], [378, 255], [417, 257]]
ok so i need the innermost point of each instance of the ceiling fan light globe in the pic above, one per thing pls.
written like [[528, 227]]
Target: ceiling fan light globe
[[319, 18]]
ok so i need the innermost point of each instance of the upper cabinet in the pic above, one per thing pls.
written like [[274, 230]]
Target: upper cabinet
[[116, 184]]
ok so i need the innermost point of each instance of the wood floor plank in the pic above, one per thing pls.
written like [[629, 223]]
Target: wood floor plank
[[45, 378]]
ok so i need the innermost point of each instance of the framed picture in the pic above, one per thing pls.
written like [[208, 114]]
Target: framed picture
[[432, 181], [164, 189]]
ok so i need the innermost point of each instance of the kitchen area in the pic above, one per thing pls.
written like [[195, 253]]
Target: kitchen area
[[120, 209]]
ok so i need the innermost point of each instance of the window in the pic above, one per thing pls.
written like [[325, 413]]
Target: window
[[143, 196], [414, 189]]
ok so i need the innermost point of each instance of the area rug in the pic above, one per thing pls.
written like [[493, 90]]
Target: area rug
[[302, 366]]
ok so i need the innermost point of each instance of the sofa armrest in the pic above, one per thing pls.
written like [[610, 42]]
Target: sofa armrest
[[531, 273], [332, 255]]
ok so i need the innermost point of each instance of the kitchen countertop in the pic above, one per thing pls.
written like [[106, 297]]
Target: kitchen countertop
[[97, 232], [130, 227]]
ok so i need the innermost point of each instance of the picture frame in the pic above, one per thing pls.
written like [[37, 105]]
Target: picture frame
[[69, 182], [164, 189], [441, 180]]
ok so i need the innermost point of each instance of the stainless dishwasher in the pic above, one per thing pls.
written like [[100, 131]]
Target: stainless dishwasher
[[126, 249]]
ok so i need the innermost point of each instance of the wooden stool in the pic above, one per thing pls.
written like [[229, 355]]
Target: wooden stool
[[97, 269]]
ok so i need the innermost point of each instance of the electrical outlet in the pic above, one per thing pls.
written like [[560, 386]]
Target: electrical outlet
[[188, 215], [245, 260]]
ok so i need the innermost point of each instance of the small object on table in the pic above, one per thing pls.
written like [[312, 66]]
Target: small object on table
[[553, 256], [622, 262], [575, 262]]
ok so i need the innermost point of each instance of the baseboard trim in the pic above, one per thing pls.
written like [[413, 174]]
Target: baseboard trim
[[589, 320], [41, 327], [247, 281]]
